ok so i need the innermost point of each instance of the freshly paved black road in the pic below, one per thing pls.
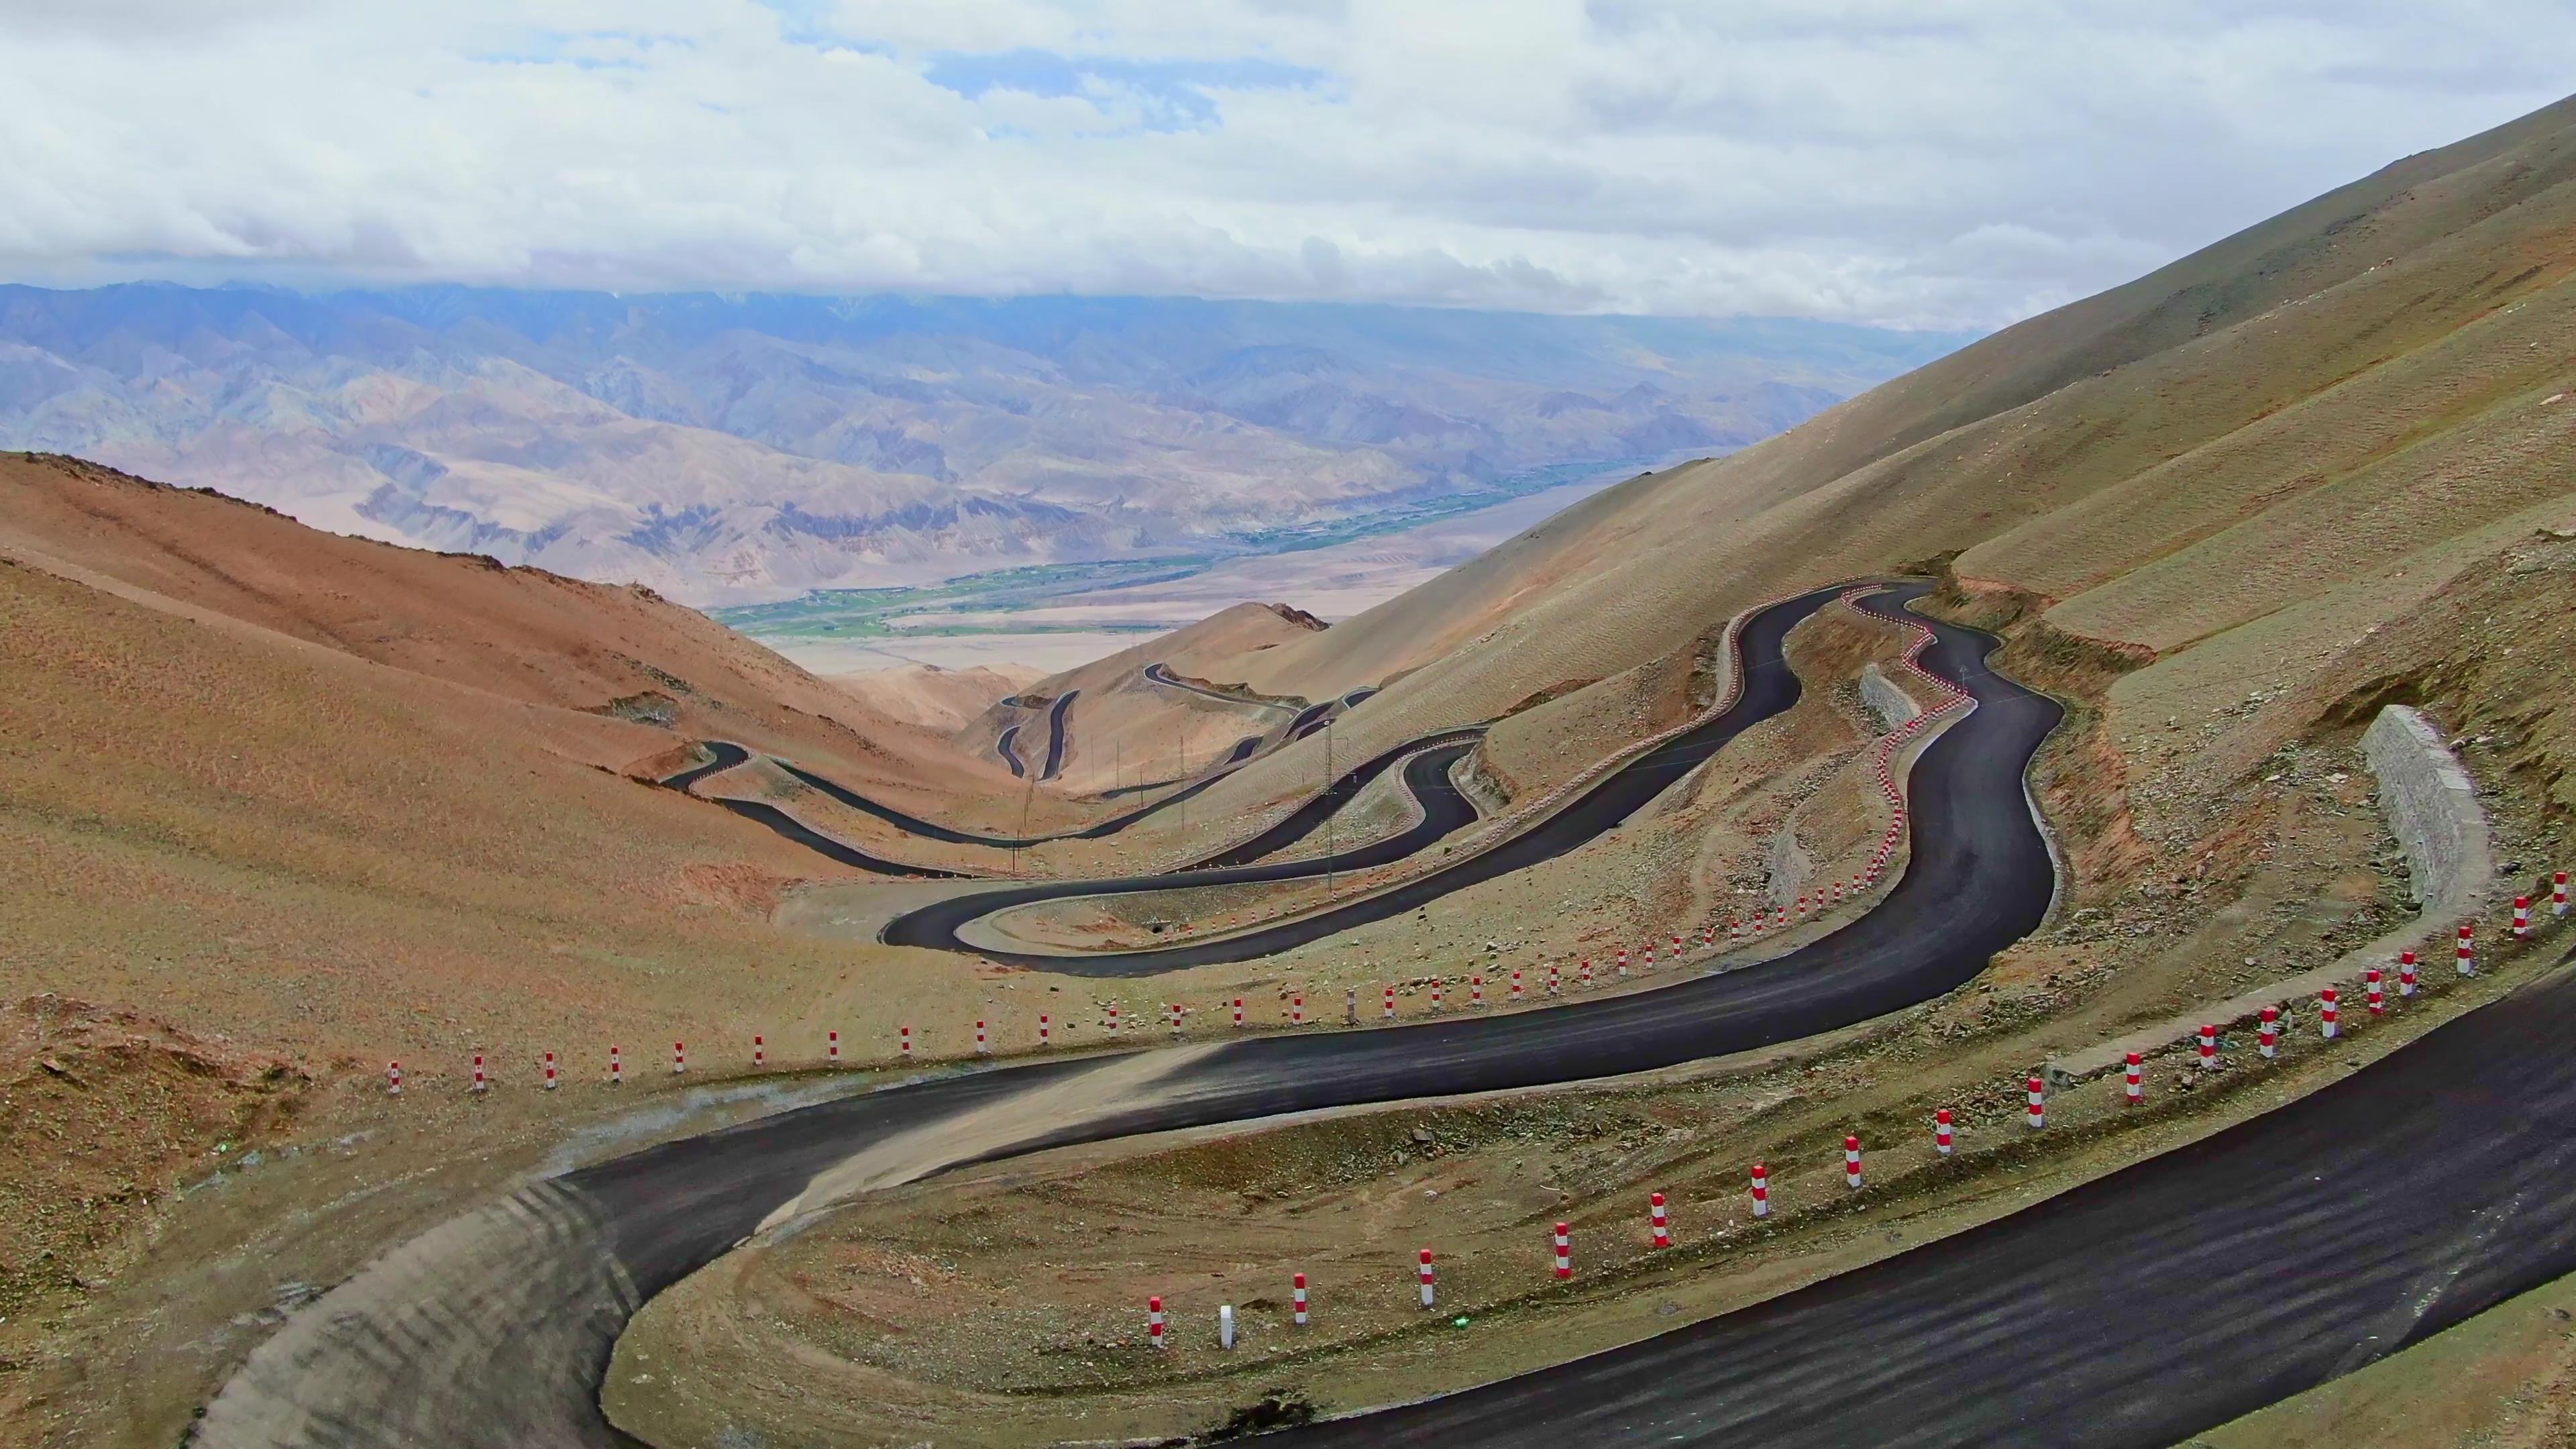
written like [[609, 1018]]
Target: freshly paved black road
[[2139, 1309], [1426, 778], [2123, 1315], [1007, 746], [1769, 687], [724, 755], [1979, 877], [1058, 722], [1309, 817], [1160, 673], [932, 830]]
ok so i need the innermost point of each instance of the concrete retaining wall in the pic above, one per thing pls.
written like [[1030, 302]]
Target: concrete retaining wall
[[1885, 698], [2432, 808]]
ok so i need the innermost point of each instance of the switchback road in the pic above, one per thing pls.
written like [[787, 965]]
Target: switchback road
[[408, 1353]]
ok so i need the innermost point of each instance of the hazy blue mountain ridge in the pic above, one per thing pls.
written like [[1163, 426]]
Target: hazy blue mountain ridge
[[731, 448]]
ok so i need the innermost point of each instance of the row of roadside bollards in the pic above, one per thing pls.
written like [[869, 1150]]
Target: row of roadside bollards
[[1944, 1130], [1737, 933], [2329, 1006]]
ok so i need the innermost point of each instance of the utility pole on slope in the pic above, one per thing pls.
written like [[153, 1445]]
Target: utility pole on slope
[[1329, 810]]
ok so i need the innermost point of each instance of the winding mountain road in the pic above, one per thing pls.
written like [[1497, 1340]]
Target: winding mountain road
[[405, 1352], [2125, 1314], [1769, 687], [1160, 673], [1059, 724]]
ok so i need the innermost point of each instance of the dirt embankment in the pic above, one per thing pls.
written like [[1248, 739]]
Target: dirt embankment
[[105, 1115]]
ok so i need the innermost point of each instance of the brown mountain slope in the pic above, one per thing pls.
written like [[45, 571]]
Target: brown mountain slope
[[520, 633], [2298, 430], [1126, 729]]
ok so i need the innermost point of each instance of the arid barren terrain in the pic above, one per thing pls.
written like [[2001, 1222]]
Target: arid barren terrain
[[283, 808]]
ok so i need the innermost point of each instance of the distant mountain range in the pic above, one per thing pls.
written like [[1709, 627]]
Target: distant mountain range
[[737, 448]]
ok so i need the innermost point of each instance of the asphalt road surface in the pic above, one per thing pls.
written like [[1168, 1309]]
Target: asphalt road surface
[[1006, 745], [1444, 810], [2137, 1310], [408, 1353], [2126, 1314], [1058, 723], [932, 830], [1769, 687], [1162, 674]]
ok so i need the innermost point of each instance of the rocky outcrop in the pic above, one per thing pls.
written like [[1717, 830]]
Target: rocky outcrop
[[1886, 700], [2432, 808]]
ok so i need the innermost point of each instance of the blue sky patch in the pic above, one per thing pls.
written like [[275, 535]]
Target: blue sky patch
[[1174, 93]]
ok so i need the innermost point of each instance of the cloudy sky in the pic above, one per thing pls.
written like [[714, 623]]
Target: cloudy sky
[[1946, 163]]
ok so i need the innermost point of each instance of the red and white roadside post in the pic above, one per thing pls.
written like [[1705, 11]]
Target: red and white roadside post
[[1476, 991], [1677, 948], [1427, 1278], [905, 1042], [2468, 950], [2558, 893], [1623, 960], [1761, 1191], [2405, 973], [1297, 1299], [1941, 1139], [1176, 1019], [1238, 1013], [1113, 1021], [679, 1057], [1555, 982], [1297, 1010], [393, 1079], [1587, 970], [1046, 1034], [1851, 1162], [1708, 936], [983, 1048], [1435, 994], [2267, 1039], [759, 1053], [2208, 1048], [1154, 1321], [480, 1085], [2326, 1013], [1564, 1252], [1516, 986], [2373, 996], [616, 1069], [2038, 1104], [1389, 1016], [1661, 1220], [2522, 918], [2136, 1080], [550, 1071], [1649, 964], [832, 1047]]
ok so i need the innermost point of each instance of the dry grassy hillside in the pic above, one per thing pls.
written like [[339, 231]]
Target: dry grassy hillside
[[522, 634], [1126, 729], [2267, 446], [931, 697]]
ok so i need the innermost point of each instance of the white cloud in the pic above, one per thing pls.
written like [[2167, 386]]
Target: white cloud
[[1861, 159]]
